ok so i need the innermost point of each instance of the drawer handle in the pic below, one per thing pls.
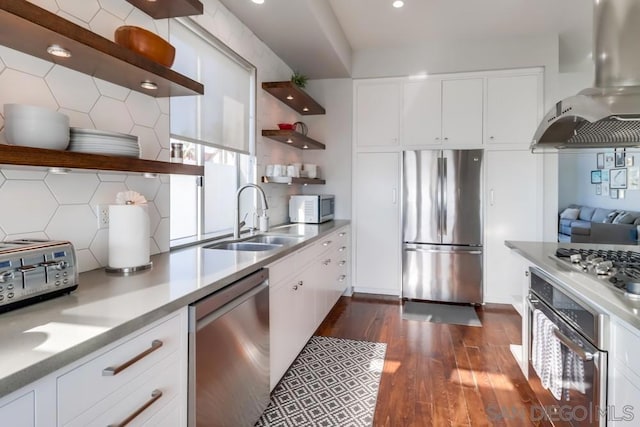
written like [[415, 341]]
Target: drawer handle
[[342, 248], [295, 287], [344, 233], [155, 395], [327, 261], [300, 283], [341, 263], [327, 243], [341, 278], [111, 371]]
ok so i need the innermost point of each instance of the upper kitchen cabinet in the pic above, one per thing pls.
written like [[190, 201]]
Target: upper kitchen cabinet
[[513, 109], [462, 105], [294, 97], [160, 9], [422, 112], [377, 112], [32, 30]]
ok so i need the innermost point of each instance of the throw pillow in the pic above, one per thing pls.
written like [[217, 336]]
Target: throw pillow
[[624, 218], [611, 216], [570, 213]]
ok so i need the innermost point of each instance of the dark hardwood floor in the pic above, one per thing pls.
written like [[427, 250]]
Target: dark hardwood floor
[[439, 374]]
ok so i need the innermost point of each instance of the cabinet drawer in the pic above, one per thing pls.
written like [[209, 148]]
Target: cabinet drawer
[[282, 269], [19, 412], [84, 386], [626, 346], [145, 396]]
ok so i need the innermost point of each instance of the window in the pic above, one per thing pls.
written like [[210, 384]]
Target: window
[[217, 130]]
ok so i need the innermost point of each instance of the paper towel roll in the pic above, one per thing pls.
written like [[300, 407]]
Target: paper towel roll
[[128, 236]]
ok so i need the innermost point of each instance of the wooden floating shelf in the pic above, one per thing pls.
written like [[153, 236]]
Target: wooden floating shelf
[[300, 101], [291, 180], [31, 29], [160, 9], [293, 138], [30, 156]]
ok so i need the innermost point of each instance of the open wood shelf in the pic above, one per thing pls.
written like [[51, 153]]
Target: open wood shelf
[[30, 156], [31, 29], [291, 137], [300, 101], [291, 180], [160, 9]]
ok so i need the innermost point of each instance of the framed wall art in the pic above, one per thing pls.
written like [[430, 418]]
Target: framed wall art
[[596, 177], [598, 189], [600, 161], [609, 160], [619, 159], [618, 178]]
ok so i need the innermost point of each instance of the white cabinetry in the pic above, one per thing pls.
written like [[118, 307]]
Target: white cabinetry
[[624, 375], [462, 112], [303, 288], [377, 115], [513, 204], [514, 108], [149, 382], [377, 223], [422, 112]]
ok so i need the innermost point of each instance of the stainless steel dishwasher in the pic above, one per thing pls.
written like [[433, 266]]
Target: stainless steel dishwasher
[[229, 354]]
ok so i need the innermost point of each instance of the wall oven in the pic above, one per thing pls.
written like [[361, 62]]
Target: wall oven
[[567, 355]]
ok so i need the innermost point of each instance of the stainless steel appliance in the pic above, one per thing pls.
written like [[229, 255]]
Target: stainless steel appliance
[[34, 270], [312, 208], [229, 354], [580, 332], [607, 115], [620, 268], [442, 225]]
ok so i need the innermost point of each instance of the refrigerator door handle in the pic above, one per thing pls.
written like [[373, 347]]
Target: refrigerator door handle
[[444, 196], [439, 198], [440, 251], [394, 196]]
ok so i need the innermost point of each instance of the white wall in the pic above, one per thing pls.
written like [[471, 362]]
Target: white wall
[[334, 130]]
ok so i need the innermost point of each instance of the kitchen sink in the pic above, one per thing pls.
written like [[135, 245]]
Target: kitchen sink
[[245, 246], [274, 240]]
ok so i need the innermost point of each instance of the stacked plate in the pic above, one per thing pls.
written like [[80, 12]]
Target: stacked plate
[[95, 141]]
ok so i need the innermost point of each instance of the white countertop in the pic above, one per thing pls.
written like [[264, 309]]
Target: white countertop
[[597, 292], [41, 338]]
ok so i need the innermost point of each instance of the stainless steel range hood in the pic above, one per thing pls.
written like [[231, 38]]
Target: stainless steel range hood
[[607, 115]]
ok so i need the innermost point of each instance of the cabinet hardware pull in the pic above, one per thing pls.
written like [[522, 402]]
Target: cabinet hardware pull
[[112, 371], [341, 278], [491, 137], [327, 261], [155, 395], [526, 274], [342, 234], [295, 287], [341, 263], [575, 348], [300, 283], [446, 139], [342, 248], [327, 243]]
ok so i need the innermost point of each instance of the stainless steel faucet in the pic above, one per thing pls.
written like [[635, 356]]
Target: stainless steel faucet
[[236, 222]]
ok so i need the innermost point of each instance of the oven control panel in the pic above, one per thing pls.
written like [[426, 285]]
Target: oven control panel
[[32, 270]]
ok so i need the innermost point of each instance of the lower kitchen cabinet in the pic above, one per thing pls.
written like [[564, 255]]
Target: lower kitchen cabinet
[[624, 375], [377, 239], [142, 375], [303, 288]]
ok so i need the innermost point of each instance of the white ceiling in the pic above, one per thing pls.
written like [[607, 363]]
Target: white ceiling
[[318, 37]]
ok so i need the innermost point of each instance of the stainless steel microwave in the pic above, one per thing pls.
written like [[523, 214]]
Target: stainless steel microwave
[[312, 208]]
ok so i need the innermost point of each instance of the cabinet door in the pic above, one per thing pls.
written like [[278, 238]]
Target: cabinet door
[[19, 412], [377, 227], [624, 395], [462, 106], [513, 212], [513, 109], [377, 115], [422, 112]]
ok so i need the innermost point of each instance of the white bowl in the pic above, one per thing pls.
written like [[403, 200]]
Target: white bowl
[[49, 132], [33, 112]]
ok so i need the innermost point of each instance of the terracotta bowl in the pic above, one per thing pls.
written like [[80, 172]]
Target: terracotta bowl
[[146, 44], [285, 126]]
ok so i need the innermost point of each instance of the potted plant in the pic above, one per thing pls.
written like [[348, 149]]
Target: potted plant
[[299, 79]]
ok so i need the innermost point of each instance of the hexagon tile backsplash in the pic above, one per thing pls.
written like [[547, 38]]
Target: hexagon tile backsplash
[[50, 206]]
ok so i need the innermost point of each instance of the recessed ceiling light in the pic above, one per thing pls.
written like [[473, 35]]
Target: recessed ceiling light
[[148, 85], [258, 1], [289, 141], [289, 97], [59, 171], [305, 146], [59, 51], [398, 4], [305, 109]]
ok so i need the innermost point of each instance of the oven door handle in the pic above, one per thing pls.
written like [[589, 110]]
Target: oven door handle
[[566, 341]]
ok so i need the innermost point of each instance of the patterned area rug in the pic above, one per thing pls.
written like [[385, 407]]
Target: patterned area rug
[[333, 382]]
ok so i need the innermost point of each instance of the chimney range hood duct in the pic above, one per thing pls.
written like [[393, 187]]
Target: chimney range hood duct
[[607, 115]]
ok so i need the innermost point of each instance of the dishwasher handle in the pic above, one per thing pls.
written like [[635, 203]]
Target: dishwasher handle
[[219, 299]]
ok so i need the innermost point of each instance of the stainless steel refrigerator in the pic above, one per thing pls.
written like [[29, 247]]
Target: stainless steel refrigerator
[[442, 225]]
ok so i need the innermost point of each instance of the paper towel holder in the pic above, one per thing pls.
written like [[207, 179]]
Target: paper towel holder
[[125, 271]]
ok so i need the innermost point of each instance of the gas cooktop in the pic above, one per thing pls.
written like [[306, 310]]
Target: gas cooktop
[[620, 268]]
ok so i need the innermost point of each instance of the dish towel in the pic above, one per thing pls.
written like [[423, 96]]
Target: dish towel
[[546, 354], [573, 374]]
